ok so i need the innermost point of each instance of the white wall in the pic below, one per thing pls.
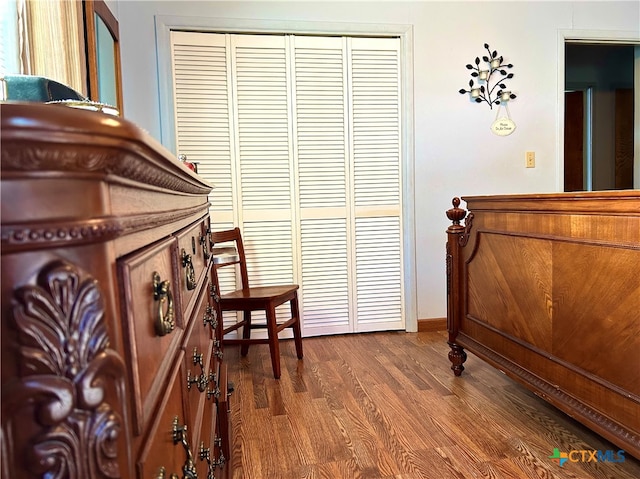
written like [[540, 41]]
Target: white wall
[[455, 152]]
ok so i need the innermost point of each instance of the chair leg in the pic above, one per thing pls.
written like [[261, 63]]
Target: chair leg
[[246, 332], [297, 333], [274, 346]]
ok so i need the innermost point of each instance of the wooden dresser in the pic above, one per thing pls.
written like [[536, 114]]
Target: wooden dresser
[[111, 355]]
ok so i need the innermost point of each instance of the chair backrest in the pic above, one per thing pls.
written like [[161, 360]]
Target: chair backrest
[[233, 235]]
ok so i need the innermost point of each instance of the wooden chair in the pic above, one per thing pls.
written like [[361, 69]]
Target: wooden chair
[[248, 299]]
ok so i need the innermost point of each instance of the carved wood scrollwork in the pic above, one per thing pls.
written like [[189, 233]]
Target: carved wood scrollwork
[[468, 224], [96, 157], [449, 260], [65, 369]]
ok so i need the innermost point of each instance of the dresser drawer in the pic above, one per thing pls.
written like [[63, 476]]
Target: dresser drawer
[[192, 262], [153, 317], [196, 371], [207, 458], [202, 391], [168, 447]]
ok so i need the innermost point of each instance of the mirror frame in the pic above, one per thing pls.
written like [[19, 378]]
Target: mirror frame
[[99, 8]]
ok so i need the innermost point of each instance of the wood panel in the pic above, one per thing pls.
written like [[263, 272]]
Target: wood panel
[[545, 288], [596, 321], [509, 282]]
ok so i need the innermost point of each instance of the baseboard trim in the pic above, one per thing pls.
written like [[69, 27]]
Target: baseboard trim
[[432, 324]]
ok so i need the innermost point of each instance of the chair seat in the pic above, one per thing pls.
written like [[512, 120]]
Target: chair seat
[[256, 298]]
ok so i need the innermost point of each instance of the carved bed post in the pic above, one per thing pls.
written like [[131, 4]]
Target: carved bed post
[[455, 232]]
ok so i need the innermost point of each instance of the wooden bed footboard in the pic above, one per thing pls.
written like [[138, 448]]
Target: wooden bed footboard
[[546, 288]]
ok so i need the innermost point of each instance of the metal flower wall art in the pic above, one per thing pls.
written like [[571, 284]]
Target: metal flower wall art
[[491, 74], [486, 72]]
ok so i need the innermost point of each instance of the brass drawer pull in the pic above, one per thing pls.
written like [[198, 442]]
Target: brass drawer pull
[[213, 378], [205, 247], [180, 436], [205, 455], [162, 474], [213, 292], [208, 235], [218, 353], [214, 393], [202, 381], [165, 322], [190, 272], [211, 317]]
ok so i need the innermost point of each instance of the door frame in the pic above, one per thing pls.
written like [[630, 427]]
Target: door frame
[[603, 37], [165, 23]]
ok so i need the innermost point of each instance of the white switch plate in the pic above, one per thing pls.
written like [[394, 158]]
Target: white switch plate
[[531, 159]]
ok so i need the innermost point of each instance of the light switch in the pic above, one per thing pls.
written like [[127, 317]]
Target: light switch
[[531, 159]]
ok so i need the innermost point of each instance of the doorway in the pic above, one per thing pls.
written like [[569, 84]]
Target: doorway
[[599, 116]]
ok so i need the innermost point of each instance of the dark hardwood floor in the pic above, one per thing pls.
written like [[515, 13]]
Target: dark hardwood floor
[[386, 405]]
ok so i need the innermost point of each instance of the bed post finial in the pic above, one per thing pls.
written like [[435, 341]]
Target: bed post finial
[[456, 214], [457, 355]]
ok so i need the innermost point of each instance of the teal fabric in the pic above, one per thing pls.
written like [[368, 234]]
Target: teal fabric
[[37, 89]]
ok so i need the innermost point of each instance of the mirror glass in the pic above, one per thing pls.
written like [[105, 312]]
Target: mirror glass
[[106, 62]]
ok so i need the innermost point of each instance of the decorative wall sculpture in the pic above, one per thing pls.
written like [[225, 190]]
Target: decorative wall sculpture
[[488, 80], [491, 74]]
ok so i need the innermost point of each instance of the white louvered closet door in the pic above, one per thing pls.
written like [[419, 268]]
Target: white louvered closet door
[[376, 181], [348, 152], [308, 164], [203, 112], [322, 164], [204, 121], [262, 106]]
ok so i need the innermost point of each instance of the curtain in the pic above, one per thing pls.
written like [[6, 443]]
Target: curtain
[[51, 41]]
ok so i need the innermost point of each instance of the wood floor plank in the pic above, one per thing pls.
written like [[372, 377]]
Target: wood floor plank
[[361, 443], [401, 413], [374, 425], [387, 405]]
